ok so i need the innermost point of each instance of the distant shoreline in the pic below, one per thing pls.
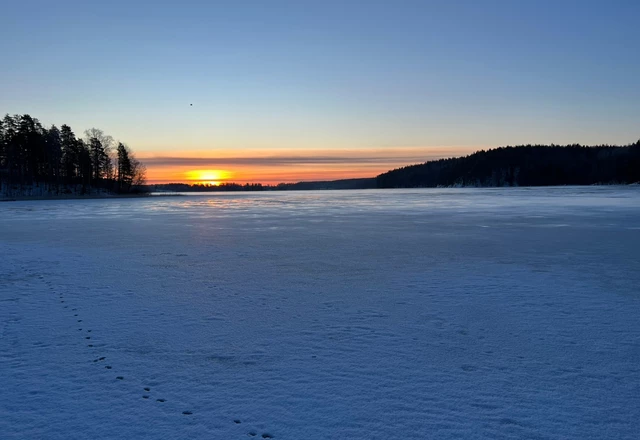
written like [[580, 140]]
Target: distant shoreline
[[187, 193]]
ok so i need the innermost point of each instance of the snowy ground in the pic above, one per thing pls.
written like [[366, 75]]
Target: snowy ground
[[414, 314]]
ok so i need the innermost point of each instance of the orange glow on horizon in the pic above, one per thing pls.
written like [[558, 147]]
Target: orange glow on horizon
[[208, 177], [284, 165]]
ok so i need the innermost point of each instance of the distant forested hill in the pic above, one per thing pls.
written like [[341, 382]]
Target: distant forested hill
[[527, 165], [367, 183]]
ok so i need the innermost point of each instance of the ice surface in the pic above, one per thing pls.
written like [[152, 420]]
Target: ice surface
[[458, 313]]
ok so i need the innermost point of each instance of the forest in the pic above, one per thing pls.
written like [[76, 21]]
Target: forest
[[525, 165], [40, 161]]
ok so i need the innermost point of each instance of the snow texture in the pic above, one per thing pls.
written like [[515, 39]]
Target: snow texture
[[396, 314]]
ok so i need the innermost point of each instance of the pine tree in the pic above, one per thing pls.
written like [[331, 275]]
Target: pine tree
[[54, 155], [11, 165], [98, 159], [85, 166], [125, 171], [70, 159], [32, 150]]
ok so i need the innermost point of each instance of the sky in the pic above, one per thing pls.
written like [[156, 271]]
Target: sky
[[282, 91]]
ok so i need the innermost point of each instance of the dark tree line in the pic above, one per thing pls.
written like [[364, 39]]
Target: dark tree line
[[57, 162], [366, 183], [528, 165], [207, 187], [299, 186]]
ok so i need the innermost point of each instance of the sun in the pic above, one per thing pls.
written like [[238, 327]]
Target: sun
[[208, 177]]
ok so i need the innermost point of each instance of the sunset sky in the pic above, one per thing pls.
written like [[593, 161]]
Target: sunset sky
[[281, 91]]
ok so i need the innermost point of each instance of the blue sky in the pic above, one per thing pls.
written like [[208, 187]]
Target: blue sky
[[326, 75]]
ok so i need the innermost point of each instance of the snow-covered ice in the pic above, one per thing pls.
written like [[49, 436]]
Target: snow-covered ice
[[396, 314]]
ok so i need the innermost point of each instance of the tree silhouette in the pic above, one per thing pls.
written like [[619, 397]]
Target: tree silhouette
[[103, 157], [125, 169], [55, 161], [70, 154]]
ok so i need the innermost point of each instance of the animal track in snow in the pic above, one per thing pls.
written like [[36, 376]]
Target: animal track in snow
[[109, 367]]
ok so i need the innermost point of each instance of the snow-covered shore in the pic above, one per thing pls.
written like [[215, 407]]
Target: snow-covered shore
[[498, 313], [63, 192]]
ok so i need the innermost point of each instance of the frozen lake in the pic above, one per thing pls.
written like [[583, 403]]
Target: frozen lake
[[395, 314]]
